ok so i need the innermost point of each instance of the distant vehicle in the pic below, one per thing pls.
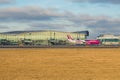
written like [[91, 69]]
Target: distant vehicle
[[27, 42], [92, 42], [86, 42], [70, 39]]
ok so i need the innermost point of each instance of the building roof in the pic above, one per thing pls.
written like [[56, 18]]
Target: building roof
[[20, 32]]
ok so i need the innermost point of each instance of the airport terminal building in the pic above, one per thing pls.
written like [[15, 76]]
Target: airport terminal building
[[40, 37]]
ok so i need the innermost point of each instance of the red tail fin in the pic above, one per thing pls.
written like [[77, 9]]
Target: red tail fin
[[69, 37]]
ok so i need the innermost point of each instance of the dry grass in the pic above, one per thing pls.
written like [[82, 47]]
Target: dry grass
[[60, 64]]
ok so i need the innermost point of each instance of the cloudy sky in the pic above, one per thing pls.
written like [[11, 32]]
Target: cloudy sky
[[96, 16]]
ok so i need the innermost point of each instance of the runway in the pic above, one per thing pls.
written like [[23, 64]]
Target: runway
[[57, 46]]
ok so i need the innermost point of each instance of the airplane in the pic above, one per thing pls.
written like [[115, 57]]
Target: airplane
[[70, 39], [87, 42]]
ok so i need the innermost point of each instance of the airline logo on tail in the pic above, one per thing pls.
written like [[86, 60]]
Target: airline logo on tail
[[69, 37]]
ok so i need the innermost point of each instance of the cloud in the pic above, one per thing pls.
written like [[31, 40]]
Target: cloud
[[28, 13], [50, 26], [45, 26], [99, 1], [97, 24], [4, 27], [6, 1], [105, 26]]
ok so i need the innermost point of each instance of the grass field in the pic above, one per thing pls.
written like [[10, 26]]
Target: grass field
[[60, 64]]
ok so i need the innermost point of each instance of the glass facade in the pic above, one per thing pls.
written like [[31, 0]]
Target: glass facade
[[110, 40], [42, 37]]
